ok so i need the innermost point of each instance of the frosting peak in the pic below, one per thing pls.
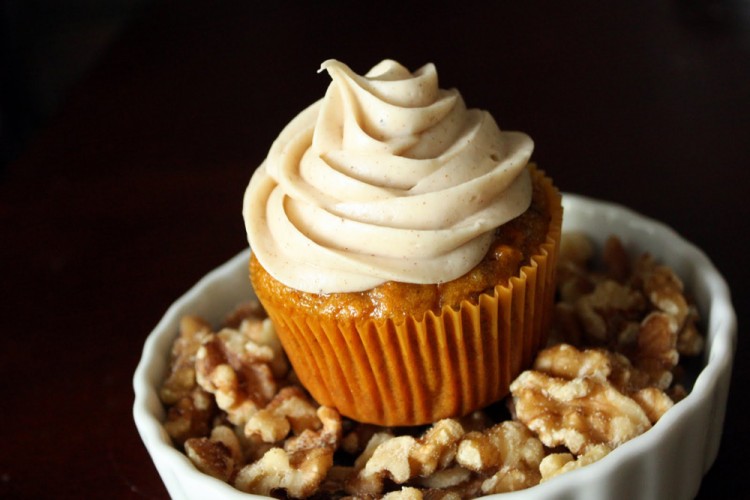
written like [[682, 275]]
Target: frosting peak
[[387, 178]]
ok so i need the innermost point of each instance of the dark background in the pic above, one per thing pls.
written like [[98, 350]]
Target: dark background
[[130, 129]]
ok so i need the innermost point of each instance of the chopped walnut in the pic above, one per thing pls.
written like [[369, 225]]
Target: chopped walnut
[[656, 351], [626, 340], [576, 413], [262, 334], [507, 444], [190, 417], [437, 447], [405, 493], [181, 379], [326, 435], [509, 451], [627, 378], [404, 457], [211, 457], [300, 466], [507, 479], [566, 361], [616, 260], [237, 372], [299, 474], [664, 289], [391, 458], [289, 410], [373, 444], [690, 341], [606, 310], [654, 402], [218, 456], [666, 293], [229, 438], [574, 254], [556, 463], [570, 369], [445, 478]]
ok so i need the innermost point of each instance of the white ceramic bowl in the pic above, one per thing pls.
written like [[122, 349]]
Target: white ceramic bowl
[[668, 461]]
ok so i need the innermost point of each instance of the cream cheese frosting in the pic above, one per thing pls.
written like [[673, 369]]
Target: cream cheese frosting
[[387, 178]]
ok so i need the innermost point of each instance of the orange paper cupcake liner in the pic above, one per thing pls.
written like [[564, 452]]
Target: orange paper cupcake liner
[[418, 371]]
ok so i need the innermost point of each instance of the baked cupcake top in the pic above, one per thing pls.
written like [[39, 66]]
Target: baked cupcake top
[[387, 178]]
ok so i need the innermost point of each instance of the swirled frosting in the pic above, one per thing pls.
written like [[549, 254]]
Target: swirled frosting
[[387, 178]]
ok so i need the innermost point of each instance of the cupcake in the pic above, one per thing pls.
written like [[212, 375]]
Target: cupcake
[[404, 248]]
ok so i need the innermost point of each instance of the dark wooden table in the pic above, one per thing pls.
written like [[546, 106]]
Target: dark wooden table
[[133, 191]]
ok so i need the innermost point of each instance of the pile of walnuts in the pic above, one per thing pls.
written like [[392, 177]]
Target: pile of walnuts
[[609, 373]]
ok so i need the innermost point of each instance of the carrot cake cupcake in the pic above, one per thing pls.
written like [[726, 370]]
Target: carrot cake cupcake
[[404, 247]]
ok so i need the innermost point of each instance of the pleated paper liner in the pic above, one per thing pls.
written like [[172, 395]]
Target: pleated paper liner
[[420, 370]]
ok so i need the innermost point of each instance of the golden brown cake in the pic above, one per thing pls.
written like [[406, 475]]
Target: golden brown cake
[[403, 247]]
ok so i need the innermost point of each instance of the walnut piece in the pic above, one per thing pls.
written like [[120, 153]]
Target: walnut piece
[[300, 466], [556, 463], [237, 372], [654, 402], [656, 351], [404, 457], [211, 457], [690, 341], [665, 291], [181, 379], [289, 410], [579, 398], [262, 334], [509, 451], [405, 493], [566, 361], [300, 474], [190, 416], [217, 456], [608, 309], [576, 413]]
